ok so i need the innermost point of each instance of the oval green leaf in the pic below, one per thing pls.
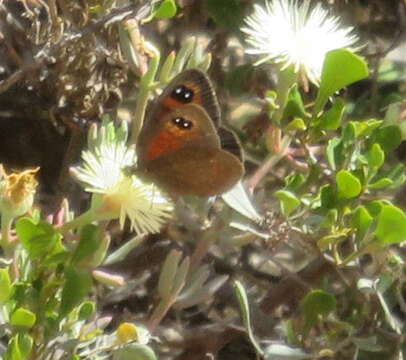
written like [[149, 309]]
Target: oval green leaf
[[23, 317], [318, 303], [351, 67], [77, 285], [389, 137], [391, 228], [289, 201], [167, 9], [348, 185], [331, 119], [5, 286], [376, 156], [134, 352]]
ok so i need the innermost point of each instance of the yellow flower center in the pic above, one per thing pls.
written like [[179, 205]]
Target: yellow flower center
[[126, 332]]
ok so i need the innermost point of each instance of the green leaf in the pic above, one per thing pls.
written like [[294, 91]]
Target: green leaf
[[351, 67], [295, 125], [389, 137], [317, 303], [90, 239], [5, 286], [361, 220], [334, 152], [39, 239], [294, 181], [396, 174], [294, 105], [245, 313], [365, 128], [328, 197], [168, 274], [331, 119], [350, 132], [87, 309], [76, 287], [381, 183], [347, 184], [134, 352], [331, 239], [375, 207], [227, 13], [391, 228], [376, 156], [20, 346], [166, 9], [23, 317], [289, 201]]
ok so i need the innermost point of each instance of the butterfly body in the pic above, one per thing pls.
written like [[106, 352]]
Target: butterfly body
[[179, 146]]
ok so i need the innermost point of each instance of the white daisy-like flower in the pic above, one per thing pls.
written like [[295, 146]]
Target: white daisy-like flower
[[119, 194], [291, 34]]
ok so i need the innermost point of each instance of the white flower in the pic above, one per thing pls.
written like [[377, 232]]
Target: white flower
[[120, 195], [293, 34]]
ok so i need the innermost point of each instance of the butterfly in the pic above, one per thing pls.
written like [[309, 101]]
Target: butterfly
[[182, 146]]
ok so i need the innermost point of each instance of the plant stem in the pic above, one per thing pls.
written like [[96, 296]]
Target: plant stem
[[86, 218], [6, 242], [273, 138], [269, 163], [146, 83], [159, 312]]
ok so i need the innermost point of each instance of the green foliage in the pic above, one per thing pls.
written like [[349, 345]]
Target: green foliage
[[39, 238], [226, 13], [391, 228], [331, 119], [166, 9], [20, 347], [289, 202], [318, 303], [5, 285], [317, 207], [77, 285], [23, 317], [348, 185], [351, 67], [135, 352]]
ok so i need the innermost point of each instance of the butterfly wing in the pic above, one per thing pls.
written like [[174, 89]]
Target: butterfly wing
[[189, 125], [189, 87], [196, 171], [179, 147], [229, 142]]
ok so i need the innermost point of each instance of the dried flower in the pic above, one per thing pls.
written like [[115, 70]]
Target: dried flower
[[291, 34], [17, 191], [120, 195]]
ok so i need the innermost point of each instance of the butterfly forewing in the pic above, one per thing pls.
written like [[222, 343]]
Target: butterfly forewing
[[179, 146], [190, 86]]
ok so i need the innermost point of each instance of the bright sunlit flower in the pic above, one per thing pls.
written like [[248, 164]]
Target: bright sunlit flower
[[120, 195], [291, 34]]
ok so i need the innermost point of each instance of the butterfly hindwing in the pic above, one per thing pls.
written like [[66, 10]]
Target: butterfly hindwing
[[182, 147], [196, 171]]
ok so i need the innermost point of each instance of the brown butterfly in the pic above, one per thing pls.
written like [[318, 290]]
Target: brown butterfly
[[182, 147]]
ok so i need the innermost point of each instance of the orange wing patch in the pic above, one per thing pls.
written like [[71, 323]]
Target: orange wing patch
[[164, 142], [172, 103]]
